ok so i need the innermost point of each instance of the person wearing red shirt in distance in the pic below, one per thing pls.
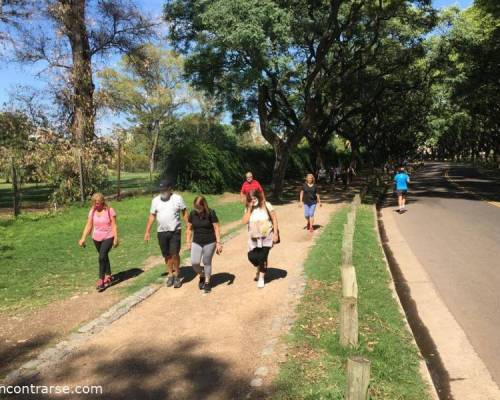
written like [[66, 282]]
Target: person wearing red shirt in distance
[[248, 186]]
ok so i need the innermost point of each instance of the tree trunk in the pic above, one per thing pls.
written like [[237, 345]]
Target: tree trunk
[[72, 15], [282, 155], [282, 145], [118, 171], [152, 156], [15, 189], [317, 153], [79, 160]]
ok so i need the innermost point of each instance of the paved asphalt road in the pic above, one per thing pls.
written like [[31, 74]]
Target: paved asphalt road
[[456, 237]]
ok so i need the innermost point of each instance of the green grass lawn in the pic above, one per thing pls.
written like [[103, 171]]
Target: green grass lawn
[[315, 367], [37, 195], [40, 260]]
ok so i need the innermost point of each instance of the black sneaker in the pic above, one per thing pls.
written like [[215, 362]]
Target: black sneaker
[[170, 281], [207, 288], [177, 282], [201, 283]]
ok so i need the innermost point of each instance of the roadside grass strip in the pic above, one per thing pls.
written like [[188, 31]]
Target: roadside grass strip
[[40, 260], [315, 367]]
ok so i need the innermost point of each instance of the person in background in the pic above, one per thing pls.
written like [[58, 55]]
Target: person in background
[[249, 185], [401, 180], [331, 173], [344, 177], [167, 209], [101, 221], [338, 172], [309, 198], [351, 173], [203, 239], [322, 174], [263, 232]]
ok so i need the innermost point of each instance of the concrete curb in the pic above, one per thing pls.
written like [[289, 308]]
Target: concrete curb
[[424, 370]]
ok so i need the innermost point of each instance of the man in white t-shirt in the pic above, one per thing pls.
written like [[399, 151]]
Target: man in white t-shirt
[[167, 209]]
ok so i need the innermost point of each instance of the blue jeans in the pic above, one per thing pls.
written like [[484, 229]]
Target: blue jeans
[[309, 210]]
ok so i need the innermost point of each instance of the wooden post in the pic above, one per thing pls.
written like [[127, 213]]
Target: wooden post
[[351, 218], [118, 170], [349, 322], [15, 188], [358, 378], [349, 283], [347, 245]]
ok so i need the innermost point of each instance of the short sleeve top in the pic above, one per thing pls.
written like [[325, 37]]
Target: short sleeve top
[[168, 212], [260, 227], [401, 180], [247, 187], [101, 222], [310, 194], [203, 227]]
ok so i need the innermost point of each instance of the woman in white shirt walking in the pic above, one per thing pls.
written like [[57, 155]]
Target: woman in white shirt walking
[[263, 232]]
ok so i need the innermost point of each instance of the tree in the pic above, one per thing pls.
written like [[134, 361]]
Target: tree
[[66, 35], [284, 62], [149, 89], [465, 113], [15, 130]]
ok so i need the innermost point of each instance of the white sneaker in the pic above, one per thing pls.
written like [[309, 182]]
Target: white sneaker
[[260, 282]]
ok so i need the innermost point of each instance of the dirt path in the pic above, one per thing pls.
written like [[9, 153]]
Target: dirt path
[[24, 335], [182, 344]]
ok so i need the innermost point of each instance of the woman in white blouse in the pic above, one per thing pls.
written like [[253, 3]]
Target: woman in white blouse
[[263, 232]]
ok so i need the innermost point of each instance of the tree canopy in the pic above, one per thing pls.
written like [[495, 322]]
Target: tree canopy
[[301, 66]]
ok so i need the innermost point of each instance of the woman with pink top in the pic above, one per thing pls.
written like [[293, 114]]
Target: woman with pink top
[[102, 222]]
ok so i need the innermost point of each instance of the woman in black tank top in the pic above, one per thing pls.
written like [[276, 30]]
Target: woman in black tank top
[[309, 198]]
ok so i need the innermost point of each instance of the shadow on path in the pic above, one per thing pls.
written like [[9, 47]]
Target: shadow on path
[[275, 273], [222, 277], [10, 354], [179, 371]]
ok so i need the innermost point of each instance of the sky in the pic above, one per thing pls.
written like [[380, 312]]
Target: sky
[[12, 75]]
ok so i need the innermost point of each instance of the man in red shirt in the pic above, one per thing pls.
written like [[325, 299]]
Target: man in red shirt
[[249, 185]]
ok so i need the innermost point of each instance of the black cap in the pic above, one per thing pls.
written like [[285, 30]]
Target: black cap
[[165, 185]]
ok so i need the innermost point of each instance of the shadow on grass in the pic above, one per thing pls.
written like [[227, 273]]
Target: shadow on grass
[[178, 371], [122, 276]]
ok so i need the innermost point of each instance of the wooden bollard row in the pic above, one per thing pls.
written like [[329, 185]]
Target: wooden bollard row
[[358, 368]]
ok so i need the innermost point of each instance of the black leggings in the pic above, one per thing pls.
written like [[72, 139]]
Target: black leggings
[[258, 257], [103, 248]]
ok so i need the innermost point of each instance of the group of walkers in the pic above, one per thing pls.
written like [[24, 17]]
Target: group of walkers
[[203, 236], [337, 174]]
